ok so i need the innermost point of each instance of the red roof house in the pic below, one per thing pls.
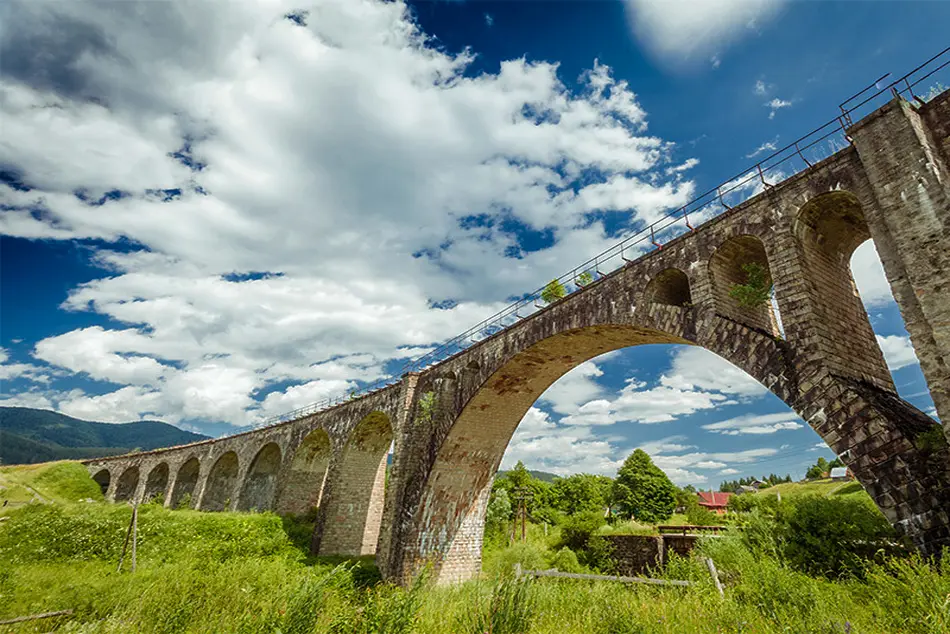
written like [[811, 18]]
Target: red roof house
[[714, 500]]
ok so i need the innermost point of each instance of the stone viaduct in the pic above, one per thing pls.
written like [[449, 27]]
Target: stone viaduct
[[449, 424]]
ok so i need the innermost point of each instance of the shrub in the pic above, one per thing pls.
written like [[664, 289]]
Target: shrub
[[701, 516], [566, 561], [833, 537], [577, 530], [598, 555], [502, 562]]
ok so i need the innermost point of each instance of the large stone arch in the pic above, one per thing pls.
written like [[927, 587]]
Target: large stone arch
[[260, 483], [303, 482], [221, 488], [448, 516], [103, 477], [157, 482], [127, 484], [186, 483], [353, 513]]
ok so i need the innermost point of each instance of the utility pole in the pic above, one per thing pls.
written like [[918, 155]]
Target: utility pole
[[523, 494]]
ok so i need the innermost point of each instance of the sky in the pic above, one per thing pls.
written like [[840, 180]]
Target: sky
[[213, 213]]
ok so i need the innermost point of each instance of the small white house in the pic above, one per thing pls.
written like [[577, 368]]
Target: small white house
[[839, 473]]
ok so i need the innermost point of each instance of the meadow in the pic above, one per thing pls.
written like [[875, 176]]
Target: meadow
[[246, 572]]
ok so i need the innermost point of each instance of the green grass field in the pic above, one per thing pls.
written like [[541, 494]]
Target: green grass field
[[825, 487], [62, 481], [250, 573]]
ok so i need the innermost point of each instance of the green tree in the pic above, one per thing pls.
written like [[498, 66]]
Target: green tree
[[818, 469], [686, 496], [499, 511], [757, 289], [519, 476], [585, 278], [642, 490], [581, 492], [539, 493], [553, 292]]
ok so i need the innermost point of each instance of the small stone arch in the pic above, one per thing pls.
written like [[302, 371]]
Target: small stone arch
[[834, 222], [127, 484], [157, 481], [260, 483], [221, 487], [670, 287], [303, 485], [183, 491], [726, 270], [103, 478], [829, 228], [355, 511]]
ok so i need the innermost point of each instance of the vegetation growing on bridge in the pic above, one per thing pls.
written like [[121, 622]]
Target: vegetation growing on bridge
[[757, 289], [553, 292]]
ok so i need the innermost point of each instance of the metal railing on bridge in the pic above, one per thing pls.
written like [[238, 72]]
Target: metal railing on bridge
[[821, 142]]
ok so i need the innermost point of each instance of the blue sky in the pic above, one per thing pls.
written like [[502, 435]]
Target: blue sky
[[216, 214]]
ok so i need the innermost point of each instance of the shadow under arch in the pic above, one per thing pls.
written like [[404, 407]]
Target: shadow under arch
[[260, 483], [103, 478], [303, 485], [221, 487], [183, 491], [830, 227], [156, 482], [127, 484], [669, 287], [354, 512]]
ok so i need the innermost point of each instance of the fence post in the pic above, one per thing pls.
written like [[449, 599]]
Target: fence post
[[714, 575]]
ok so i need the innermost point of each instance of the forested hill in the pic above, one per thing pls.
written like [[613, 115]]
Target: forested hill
[[37, 435], [544, 476]]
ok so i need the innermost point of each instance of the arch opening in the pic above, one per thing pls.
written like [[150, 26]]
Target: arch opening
[[127, 484], [671, 288], [359, 491], [222, 484], [183, 491], [156, 483], [830, 227], [260, 483], [102, 478], [303, 486], [728, 270]]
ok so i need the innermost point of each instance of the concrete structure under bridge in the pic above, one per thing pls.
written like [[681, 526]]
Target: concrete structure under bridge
[[449, 423]]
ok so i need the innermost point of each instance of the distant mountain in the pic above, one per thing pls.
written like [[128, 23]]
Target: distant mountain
[[544, 476], [37, 435]]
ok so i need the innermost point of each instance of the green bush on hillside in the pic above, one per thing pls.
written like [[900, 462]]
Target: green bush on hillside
[[833, 537]]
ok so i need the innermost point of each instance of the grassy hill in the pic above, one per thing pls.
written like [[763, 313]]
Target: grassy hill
[[49, 482], [826, 487], [34, 435]]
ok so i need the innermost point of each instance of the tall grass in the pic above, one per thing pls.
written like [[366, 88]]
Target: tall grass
[[245, 573]]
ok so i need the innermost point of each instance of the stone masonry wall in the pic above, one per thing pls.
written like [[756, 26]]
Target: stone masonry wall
[[639, 555]]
